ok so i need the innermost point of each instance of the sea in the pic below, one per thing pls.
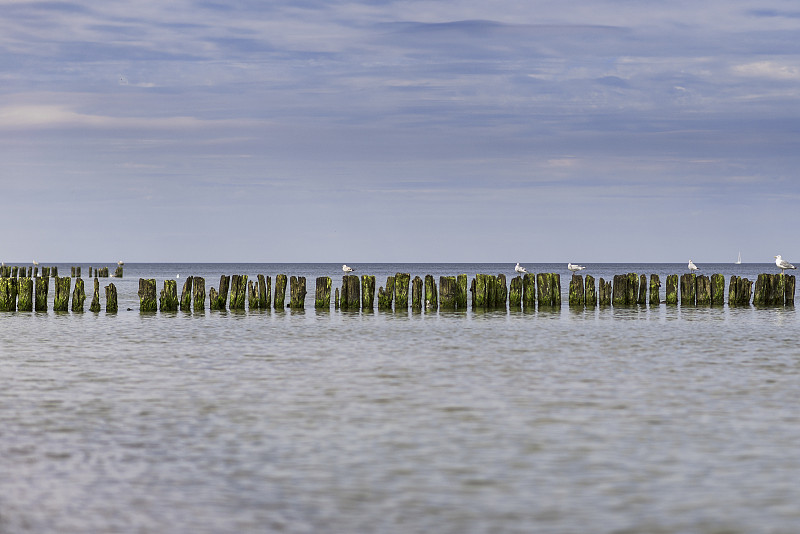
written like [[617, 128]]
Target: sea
[[638, 419]]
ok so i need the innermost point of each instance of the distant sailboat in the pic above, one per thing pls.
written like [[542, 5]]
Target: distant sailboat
[[739, 259]]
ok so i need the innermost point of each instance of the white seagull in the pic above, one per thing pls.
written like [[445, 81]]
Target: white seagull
[[693, 267], [35, 262], [347, 269], [575, 268], [520, 269], [120, 262], [783, 264]]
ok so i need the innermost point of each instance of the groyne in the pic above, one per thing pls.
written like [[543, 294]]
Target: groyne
[[19, 291]]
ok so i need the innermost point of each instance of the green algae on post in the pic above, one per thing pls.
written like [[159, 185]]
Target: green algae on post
[[78, 295], [577, 291], [367, 292], [401, 283], [515, 293], [199, 293], [297, 296], [431, 294], [280, 291], [590, 292], [238, 291], [42, 289], [688, 289], [655, 286], [168, 299], [147, 295], [322, 293], [416, 294], [95, 305], [111, 298], [25, 288], [672, 289], [186, 294]]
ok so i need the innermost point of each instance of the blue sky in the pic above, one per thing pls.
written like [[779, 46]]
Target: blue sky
[[381, 131]]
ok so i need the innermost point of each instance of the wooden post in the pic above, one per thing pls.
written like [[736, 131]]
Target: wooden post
[[72, 272], [25, 288], [788, 297], [642, 290], [280, 291], [548, 289], [322, 293], [461, 295], [590, 292], [147, 295], [252, 295], [478, 288], [620, 290], [703, 290], [168, 299], [78, 295], [186, 294], [367, 292], [577, 291], [529, 291], [337, 299], [604, 292], [778, 287], [199, 293], [95, 305], [655, 285], [238, 291], [515, 293], [762, 290], [448, 293], [6, 302], [416, 294], [111, 297], [297, 299], [672, 289], [265, 291], [431, 294], [688, 289], [401, 283], [502, 292], [386, 296], [350, 295], [117, 271], [633, 289], [42, 288], [717, 290]]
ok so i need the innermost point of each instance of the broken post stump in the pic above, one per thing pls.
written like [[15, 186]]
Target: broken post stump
[[147, 295], [199, 293], [112, 305], [186, 294], [672, 289], [168, 299], [577, 291], [548, 287], [280, 291], [590, 292], [717, 290], [322, 293], [401, 283], [688, 289], [238, 290], [431, 294], [297, 292], [655, 286], [78, 295], [42, 289], [350, 297], [448, 293], [25, 294], [386, 296], [416, 294], [515, 293], [529, 291], [95, 305], [703, 290], [620, 290], [367, 292], [604, 292]]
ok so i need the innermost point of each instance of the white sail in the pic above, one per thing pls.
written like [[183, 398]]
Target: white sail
[[739, 259]]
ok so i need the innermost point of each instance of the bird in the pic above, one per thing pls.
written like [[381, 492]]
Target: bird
[[347, 269], [693, 267], [783, 264], [177, 276], [520, 269], [575, 268], [120, 262], [35, 262]]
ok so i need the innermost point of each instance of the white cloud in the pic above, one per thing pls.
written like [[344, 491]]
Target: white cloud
[[773, 70]]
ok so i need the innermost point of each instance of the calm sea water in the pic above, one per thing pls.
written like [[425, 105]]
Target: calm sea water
[[642, 419]]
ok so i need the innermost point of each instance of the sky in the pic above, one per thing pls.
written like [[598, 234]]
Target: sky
[[399, 131]]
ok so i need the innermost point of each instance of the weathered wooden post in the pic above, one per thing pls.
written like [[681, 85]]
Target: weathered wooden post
[[717, 290], [280, 291], [72, 272], [548, 289], [789, 287], [431, 294], [42, 288], [199, 293], [461, 295], [297, 300], [117, 271], [577, 291], [502, 292], [95, 305], [265, 291], [401, 283], [322, 293], [642, 290], [78, 295], [25, 288], [186, 294], [7, 303], [168, 299], [147, 295], [448, 293], [367, 292], [703, 290], [655, 286], [218, 299], [688, 289], [633, 289], [45, 272], [386, 296], [529, 291], [350, 295], [238, 291], [478, 289], [604, 292], [336, 304], [672, 289], [492, 300], [778, 287], [762, 290], [620, 290], [515, 293], [590, 292], [416, 294], [111, 297]]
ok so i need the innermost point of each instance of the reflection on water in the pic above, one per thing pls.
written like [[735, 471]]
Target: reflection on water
[[639, 419]]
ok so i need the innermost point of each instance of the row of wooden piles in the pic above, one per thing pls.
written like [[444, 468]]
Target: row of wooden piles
[[30, 294], [8, 271]]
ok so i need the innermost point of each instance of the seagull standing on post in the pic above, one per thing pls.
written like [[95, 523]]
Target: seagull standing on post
[[783, 264], [693, 267], [520, 269], [347, 269], [575, 268]]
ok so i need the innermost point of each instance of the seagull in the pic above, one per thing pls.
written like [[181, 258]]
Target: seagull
[[693, 267], [575, 268], [120, 262], [520, 269], [177, 276], [347, 269], [35, 262], [783, 264]]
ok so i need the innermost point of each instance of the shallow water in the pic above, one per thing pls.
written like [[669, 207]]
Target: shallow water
[[642, 419]]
